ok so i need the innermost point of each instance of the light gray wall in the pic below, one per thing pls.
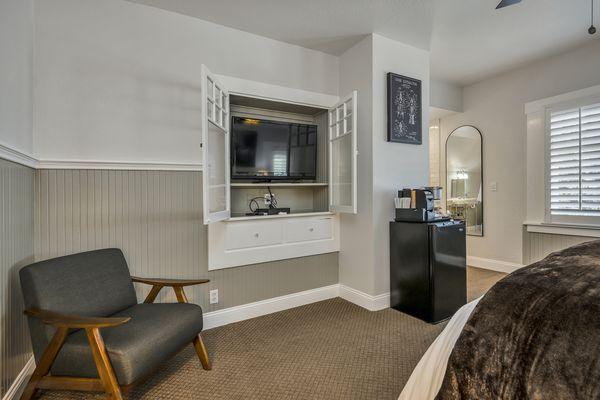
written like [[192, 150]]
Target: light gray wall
[[16, 251], [16, 75], [119, 81], [383, 167], [356, 231], [496, 107], [395, 165], [16, 181], [446, 96], [155, 217]]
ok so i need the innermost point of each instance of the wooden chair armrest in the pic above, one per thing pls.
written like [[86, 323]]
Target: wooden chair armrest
[[75, 321], [169, 282]]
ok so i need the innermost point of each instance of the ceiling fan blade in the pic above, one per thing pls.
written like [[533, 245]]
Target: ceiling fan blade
[[506, 3]]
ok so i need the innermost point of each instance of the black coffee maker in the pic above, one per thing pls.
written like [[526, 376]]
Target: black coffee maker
[[417, 205]]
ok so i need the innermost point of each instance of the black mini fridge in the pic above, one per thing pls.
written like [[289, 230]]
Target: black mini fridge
[[428, 273]]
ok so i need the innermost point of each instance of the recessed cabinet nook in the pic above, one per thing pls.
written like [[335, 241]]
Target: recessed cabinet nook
[[311, 226]]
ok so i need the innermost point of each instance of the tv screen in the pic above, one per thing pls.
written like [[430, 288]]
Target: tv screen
[[263, 149]]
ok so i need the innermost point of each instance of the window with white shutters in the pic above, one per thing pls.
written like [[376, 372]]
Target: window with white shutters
[[574, 161]]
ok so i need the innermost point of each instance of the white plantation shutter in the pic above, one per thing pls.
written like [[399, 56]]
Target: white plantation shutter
[[575, 161]]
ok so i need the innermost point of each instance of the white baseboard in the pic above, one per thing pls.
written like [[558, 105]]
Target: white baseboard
[[213, 319], [494, 265], [371, 303], [16, 389], [226, 316]]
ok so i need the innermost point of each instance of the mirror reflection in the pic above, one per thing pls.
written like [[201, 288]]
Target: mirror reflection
[[464, 178]]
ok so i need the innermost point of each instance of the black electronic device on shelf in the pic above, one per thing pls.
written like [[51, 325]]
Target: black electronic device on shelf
[[264, 150], [417, 205], [270, 211], [271, 201]]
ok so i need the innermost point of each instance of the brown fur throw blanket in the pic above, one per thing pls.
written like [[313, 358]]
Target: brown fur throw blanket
[[534, 335]]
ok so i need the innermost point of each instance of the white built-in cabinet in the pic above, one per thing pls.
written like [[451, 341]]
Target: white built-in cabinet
[[312, 227]]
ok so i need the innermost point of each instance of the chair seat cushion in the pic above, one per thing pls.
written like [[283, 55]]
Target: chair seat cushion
[[154, 334]]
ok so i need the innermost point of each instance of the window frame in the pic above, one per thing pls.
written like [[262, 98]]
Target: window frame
[[549, 218]]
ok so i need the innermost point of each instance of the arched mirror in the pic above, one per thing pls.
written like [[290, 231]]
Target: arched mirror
[[464, 178]]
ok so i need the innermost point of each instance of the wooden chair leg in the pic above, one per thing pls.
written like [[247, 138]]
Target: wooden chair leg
[[198, 343], [202, 353], [105, 369], [45, 363], [180, 294], [153, 293]]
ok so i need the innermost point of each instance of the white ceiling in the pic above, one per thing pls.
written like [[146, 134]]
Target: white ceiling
[[330, 26], [469, 40]]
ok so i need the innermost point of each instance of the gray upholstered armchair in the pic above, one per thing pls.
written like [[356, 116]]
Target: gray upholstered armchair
[[88, 330]]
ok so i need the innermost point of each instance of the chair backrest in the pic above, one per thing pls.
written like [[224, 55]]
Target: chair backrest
[[94, 283]]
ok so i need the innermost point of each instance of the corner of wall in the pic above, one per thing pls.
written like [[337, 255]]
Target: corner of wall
[[395, 165], [16, 76], [446, 96], [383, 167], [356, 231]]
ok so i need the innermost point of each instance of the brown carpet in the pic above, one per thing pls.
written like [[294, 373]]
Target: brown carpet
[[327, 350], [479, 281]]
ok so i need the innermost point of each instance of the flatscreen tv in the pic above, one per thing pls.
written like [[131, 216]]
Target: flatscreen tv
[[271, 150]]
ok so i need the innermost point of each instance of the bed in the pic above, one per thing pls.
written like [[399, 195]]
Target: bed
[[534, 335]]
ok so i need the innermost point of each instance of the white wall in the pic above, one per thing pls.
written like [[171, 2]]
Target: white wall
[[384, 167], [118, 81], [356, 231], [395, 165], [16, 75], [496, 107], [434, 152], [445, 96]]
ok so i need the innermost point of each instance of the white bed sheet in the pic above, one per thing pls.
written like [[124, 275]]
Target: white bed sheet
[[426, 379]]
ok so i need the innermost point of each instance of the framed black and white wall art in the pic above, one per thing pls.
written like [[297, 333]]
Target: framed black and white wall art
[[404, 109]]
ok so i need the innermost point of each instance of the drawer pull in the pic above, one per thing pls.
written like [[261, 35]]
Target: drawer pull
[[311, 229], [256, 235]]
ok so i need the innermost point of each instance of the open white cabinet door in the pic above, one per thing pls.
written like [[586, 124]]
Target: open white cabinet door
[[215, 149], [343, 156]]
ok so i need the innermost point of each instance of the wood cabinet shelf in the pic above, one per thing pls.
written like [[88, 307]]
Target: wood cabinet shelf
[[291, 215], [277, 184]]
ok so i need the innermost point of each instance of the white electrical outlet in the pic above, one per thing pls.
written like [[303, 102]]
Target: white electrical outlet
[[214, 296]]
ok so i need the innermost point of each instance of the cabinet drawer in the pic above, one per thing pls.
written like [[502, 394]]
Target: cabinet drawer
[[308, 229], [244, 235]]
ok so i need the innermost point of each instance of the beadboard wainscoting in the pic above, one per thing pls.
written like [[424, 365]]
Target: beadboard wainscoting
[[155, 217], [16, 251], [538, 245]]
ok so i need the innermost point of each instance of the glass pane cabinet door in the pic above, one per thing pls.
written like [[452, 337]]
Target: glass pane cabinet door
[[217, 197], [343, 156], [342, 172], [215, 149]]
